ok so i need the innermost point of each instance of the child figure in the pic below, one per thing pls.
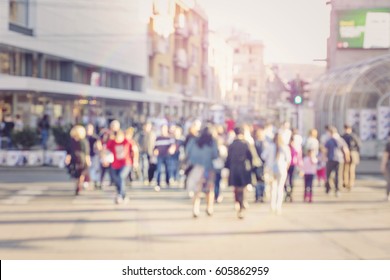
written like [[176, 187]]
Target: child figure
[[309, 168], [321, 166]]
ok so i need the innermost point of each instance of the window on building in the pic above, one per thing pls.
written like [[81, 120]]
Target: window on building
[[181, 21], [194, 83], [163, 78], [52, 70], [5, 63], [19, 11], [195, 55], [16, 63]]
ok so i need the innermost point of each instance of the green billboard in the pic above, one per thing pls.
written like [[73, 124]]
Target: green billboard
[[364, 29]]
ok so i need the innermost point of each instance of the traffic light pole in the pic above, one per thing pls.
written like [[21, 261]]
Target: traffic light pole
[[300, 119]]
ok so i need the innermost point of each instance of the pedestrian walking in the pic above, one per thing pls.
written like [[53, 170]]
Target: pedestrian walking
[[192, 133], [78, 157], [134, 154], [146, 139], [105, 156], [321, 167], [385, 168], [260, 144], [201, 152], [239, 164], [337, 153], [7, 128], [349, 172], [312, 142], [309, 169], [95, 148], [219, 163], [277, 158], [121, 166], [177, 134], [294, 166], [164, 148], [19, 125], [44, 128]]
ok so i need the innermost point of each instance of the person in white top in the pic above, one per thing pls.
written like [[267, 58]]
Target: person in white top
[[285, 132], [277, 161], [312, 142], [18, 123]]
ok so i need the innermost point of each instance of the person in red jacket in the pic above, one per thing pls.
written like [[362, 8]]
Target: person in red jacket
[[121, 149]]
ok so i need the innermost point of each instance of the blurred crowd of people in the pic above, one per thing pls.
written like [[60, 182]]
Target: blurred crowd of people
[[200, 157]]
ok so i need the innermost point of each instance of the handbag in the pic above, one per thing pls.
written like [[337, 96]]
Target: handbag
[[218, 163]]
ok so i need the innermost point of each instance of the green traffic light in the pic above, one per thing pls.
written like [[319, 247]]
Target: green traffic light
[[298, 99]]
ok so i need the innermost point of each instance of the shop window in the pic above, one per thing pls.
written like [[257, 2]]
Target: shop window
[[52, 70], [5, 63]]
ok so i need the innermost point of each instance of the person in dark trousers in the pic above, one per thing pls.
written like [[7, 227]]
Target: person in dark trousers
[[337, 153], [353, 143], [146, 139], [78, 156], [260, 143], [239, 163], [44, 128], [164, 148], [8, 127]]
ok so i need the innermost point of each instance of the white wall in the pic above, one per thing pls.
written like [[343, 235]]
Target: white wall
[[105, 33]]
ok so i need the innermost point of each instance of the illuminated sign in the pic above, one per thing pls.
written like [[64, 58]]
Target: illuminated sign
[[364, 29]]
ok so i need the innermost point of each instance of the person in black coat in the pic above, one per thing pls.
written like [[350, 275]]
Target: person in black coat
[[239, 164]]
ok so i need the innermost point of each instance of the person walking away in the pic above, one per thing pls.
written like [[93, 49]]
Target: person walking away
[[176, 156], [8, 127], [134, 153], [78, 156], [106, 157], [121, 150], [95, 148], [164, 148], [44, 128], [285, 132], [260, 144], [353, 143], [321, 167], [385, 168], [281, 166], [192, 133], [312, 142], [295, 164], [326, 135], [146, 140], [337, 153], [219, 163], [309, 169], [201, 152], [239, 164]]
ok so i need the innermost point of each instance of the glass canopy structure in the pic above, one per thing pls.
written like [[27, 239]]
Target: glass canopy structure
[[357, 94]]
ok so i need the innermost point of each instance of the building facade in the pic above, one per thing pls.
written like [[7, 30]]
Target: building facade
[[75, 60], [178, 57], [359, 30], [248, 94], [356, 88]]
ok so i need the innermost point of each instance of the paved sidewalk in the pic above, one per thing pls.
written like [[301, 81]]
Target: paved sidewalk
[[43, 219]]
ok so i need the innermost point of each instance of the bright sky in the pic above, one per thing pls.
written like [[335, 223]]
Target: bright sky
[[293, 31]]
